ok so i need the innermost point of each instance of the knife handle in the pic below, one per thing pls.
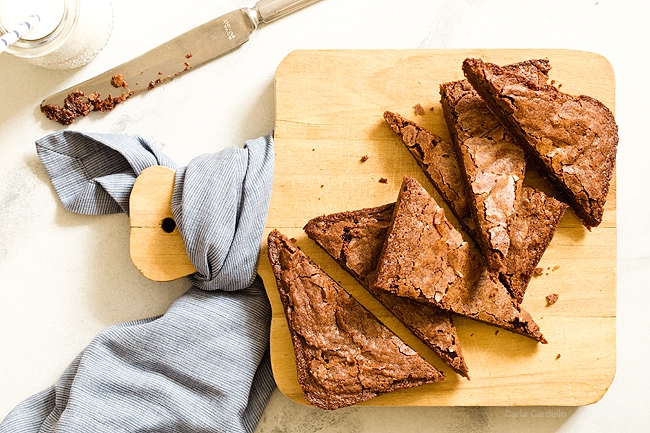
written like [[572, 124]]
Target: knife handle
[[269, 10]]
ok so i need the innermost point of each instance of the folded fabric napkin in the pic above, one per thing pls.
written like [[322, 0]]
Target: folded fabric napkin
[[204, 365]]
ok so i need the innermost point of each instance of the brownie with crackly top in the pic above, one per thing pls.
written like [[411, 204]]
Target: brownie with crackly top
[[426, 259], [355, 240], [572, 139], [493, 165], [516, 221], [344, 354]]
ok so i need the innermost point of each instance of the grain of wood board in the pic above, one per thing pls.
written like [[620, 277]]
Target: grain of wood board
[[329, 107]]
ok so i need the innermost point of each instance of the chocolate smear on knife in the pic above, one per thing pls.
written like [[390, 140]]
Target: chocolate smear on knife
[[80, 104]]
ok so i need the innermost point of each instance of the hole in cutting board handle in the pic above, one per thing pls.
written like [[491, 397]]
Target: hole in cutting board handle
[[168, 225], [157, 248]]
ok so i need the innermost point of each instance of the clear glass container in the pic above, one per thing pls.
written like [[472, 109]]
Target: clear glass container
[[71, 32]]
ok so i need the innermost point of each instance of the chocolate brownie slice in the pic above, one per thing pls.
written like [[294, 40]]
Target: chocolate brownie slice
[[425, 258], [344, 354], [516, 221], [572, 139], [493, 165], [355, 239]]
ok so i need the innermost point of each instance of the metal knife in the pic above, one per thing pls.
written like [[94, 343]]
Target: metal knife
[[165, 62]]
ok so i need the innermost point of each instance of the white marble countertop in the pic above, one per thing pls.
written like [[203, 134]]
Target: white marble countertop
[[64, 277]]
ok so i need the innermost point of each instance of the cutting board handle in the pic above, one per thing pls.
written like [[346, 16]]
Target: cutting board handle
[[156, 246]]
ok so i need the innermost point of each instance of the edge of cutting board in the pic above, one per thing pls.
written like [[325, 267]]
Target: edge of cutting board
[[329, 106]]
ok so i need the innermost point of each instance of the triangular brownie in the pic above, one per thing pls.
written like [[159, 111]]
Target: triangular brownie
[[516, 221], [537, 214], [426, 259], [493, 165], [344, 354], [355, 240], [572, 139]]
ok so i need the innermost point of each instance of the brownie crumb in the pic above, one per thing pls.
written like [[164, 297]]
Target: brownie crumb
[[552, 299], [78, 104], [107, 104], [117, 81], [383, 180], [558, 356], [538, 271], [75, 104], [418, 110], [364, 158], [154, 83], [189, 55]]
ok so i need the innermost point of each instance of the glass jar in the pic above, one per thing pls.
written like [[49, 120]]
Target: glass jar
[[71, 32]]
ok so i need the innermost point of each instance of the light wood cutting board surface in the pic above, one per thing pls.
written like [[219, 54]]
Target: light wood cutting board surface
[[329, 107]]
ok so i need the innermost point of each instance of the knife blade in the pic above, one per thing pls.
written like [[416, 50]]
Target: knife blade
[[165, 62]]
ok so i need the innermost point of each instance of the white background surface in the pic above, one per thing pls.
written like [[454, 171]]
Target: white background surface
[[65, 277]]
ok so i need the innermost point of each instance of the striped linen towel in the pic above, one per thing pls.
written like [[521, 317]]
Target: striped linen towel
[[204, 365]]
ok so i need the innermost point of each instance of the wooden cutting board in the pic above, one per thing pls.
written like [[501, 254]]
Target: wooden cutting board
[[329, 107]]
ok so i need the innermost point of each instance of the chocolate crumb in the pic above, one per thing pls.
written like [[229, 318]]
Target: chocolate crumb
[[154, 83], [117, 80], [538, 271], [418, 110], [189, 55], [555, 268], [107, 104], [496, 332], [558, 356], [75, 104], [78, 104], [383, 180], [551, 299], [364, 158]]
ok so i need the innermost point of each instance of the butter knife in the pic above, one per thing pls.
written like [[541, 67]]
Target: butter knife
[[165, 62]]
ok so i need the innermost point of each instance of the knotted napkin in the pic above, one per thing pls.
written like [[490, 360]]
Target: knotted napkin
[[204, 365]]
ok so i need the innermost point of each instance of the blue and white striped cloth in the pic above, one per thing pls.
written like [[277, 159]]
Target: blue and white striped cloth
[[204, 365]]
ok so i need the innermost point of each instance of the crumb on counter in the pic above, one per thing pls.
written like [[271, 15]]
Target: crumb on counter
[[364, 158], [418, 110], [383, 180]]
